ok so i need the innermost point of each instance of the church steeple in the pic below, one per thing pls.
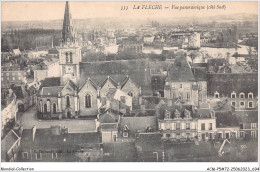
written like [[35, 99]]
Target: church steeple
[[68, 35]]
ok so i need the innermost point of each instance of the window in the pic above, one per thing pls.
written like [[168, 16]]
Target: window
[[87, 101], [67, 101], [13, 74], [241, 126], [188, 86], [200, 87], [168, 135], [54, 108], [216, 95], [38, 156], [188, 96], [253, 125], [114, 138], [155, 156], [25, 155], [241, 134], [45, 108], [188, 135], [130, 94], [253, 134], [187, 126], [122, 99], [67, 57], [71, 57], [173, 86], [210, 126], [54, 156], [173, 95], [178, 126], [250, 95], [19, 74], [250, 104], [242, 95], [168, 127], [13, 78], [200, 96], [233, 95], [178, 136], [7, 74], [125, 134], [233, 103], [242, 104], [180, 85], [203, 126]]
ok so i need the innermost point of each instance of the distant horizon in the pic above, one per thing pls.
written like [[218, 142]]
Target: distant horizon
[[50, 11]]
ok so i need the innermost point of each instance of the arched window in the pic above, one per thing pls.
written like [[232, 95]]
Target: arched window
[[54, 108], [67, 57], [87, 101], [130, 94], [67, 101], [45, 108], [71, 57]]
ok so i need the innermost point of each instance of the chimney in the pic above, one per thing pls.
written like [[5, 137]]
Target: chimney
[[20, 131], [33, 132]]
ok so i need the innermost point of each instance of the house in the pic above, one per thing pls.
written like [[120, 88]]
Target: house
[[149, 147], [108, 126], [181, 85], [22, 97], [130, 127], [240, 89], [57, 144], [10, 146], [248, 123], [227, 125], [206, 124], [178, 123]]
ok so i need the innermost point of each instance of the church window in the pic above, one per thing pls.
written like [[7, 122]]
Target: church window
[[67, 101], [71, 57], [87, 101]]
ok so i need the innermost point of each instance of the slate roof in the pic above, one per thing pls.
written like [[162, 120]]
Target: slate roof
[[150, 142], [125, 80], [138, 124], [98, 71], [51, 91], [9, 140], [172, 109], [247, 116], [45, 139], [50, 82], [226, 119], [108, 117], [91, 82], [199, 74], [121, 152], [226, 83], [18, 92], [106, 80], [180, 72], [216, 62], [203, 113]]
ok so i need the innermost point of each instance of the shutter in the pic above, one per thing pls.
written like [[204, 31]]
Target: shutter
[[172, 126], [48, 106], [191, 126], [183, 126]]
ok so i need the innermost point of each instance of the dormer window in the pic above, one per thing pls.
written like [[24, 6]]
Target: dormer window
[[242, 95], [125, 131], [167, 115], [216, 95], [148, 129], [250, 95], [187, 113], [177, 114], [233, 95]]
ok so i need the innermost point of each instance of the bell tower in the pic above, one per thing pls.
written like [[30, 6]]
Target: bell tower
[[70, 51]]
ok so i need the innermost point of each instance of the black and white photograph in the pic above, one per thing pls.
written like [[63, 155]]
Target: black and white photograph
[[153, 82]]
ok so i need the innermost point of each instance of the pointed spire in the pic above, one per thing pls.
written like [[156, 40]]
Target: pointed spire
[[67, 30]]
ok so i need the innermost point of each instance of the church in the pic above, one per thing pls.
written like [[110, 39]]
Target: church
[[84, 88]]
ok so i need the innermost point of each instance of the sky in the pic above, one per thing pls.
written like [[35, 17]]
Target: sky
[[31, 11]]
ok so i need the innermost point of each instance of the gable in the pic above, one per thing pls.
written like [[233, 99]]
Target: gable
[[69, 88], [87, 87], [108, 84]]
